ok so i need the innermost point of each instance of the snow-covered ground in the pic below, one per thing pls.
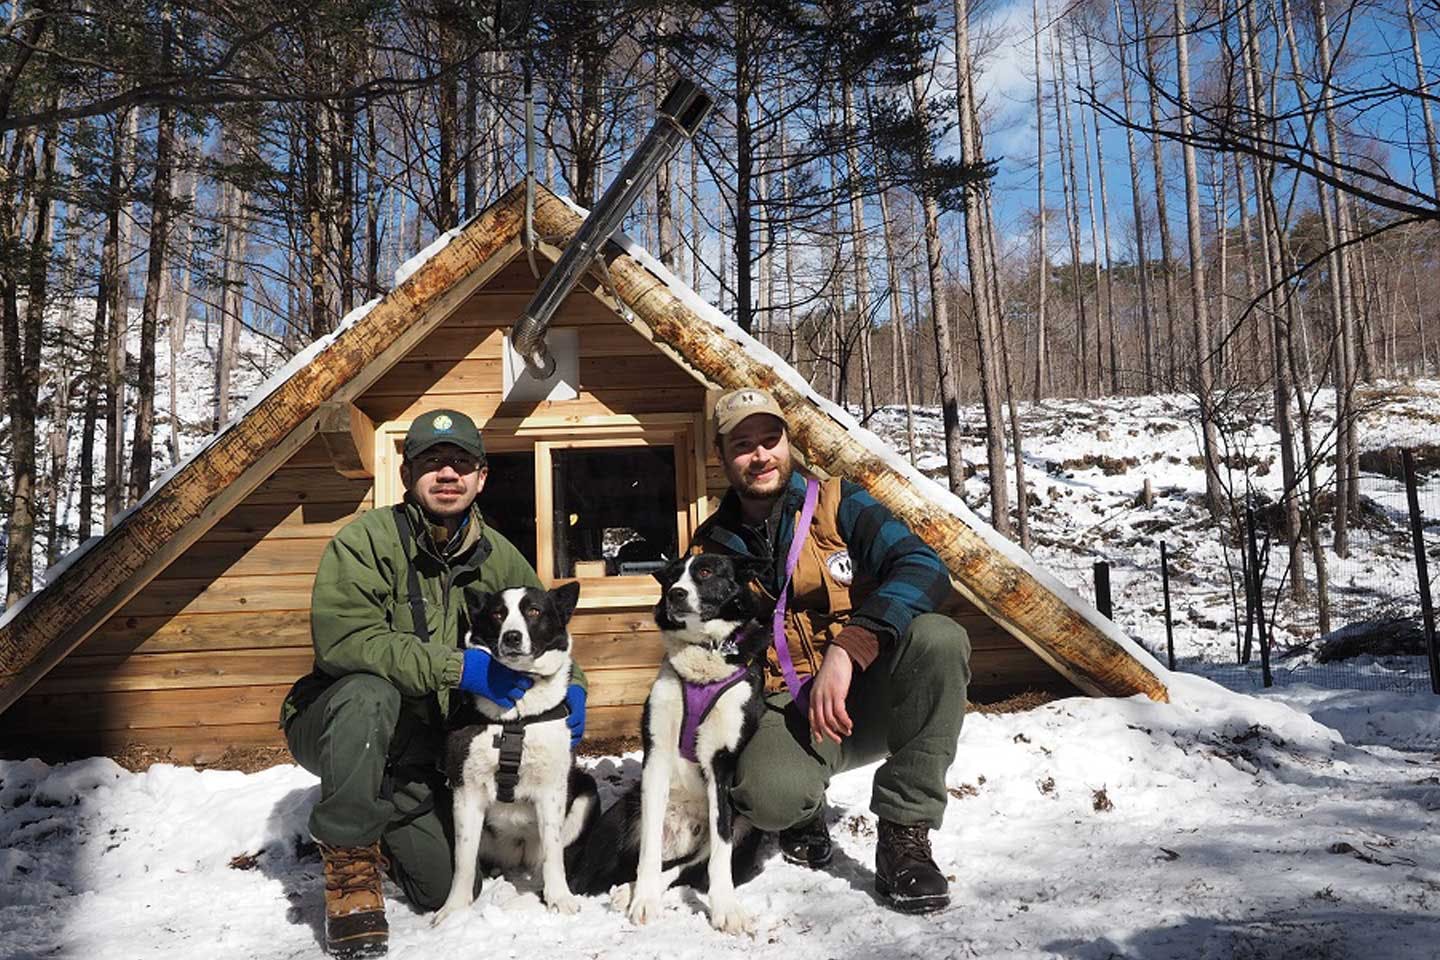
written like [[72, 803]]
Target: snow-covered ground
[[1298, 825]]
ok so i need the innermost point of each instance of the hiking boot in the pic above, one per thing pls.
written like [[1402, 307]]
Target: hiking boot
[[905, 873], [354, 904], [808, 843]]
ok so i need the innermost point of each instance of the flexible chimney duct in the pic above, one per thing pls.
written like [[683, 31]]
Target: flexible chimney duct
[[684, 109]]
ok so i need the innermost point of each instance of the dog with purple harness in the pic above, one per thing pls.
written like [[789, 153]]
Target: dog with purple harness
[[677, 825]]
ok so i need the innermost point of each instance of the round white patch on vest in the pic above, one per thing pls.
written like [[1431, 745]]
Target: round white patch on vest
[[840, 567]]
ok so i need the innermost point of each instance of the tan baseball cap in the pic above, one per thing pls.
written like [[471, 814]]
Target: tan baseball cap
[[736, 405]]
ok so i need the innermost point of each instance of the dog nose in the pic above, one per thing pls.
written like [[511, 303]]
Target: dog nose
[[678, 595], [511, 640]]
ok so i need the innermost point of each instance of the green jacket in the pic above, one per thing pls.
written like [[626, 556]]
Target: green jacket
[[360, 611]]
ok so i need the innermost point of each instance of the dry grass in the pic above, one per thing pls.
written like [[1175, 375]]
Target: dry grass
[[1016, 703]]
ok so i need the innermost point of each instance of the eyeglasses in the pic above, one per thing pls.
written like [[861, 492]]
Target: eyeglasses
[[461, 463]]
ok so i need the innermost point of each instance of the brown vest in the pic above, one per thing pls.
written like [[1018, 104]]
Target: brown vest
[[827, 589]]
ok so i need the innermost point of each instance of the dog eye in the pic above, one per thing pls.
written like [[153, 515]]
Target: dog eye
[[703, 573], [497, 615], [532, 614]]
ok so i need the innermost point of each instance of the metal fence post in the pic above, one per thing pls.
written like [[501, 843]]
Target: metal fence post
[[1257, 585], [1165, 585], [1417, 536], [1102, 589]]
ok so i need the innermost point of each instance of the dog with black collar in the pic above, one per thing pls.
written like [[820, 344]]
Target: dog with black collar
[[519, 799], [677, 825]]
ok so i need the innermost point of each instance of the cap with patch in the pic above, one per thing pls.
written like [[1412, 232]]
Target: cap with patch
[[736, 405], [443, 426]]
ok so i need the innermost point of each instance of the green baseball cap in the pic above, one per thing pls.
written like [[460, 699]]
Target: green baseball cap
[[443, 426]]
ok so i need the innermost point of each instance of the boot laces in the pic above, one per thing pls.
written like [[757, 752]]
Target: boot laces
[[912, 842], [353, 869]]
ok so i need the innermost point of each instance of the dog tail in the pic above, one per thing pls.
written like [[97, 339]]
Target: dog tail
[[610, 853]]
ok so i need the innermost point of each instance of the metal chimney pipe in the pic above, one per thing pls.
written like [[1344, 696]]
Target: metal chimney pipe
[[685, 108]]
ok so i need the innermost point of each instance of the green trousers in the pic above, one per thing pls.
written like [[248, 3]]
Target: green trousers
[[906, 708], [349, 736]]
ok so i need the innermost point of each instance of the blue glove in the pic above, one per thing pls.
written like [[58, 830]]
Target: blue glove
[[487, 677], [575, 700]]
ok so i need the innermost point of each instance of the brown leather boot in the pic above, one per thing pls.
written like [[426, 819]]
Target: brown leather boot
[[906, 876], [354, 904]]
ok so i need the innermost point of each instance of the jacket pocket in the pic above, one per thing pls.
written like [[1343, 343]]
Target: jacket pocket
[[402, 619]]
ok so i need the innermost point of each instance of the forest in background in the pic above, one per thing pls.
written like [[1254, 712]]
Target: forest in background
[[1233, 200]]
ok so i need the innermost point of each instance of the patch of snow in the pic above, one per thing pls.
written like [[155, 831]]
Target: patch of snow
[[1215, 826], [407, 269]]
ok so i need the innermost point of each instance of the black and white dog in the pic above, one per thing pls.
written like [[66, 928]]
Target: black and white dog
[[519, 799], [677, 824]]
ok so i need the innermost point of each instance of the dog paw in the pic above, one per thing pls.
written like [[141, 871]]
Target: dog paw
[[565, 903], [642, 908], [446, 912], [727, 917], [620, 897]]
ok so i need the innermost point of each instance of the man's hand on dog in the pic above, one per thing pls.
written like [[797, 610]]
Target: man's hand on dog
[[828, 717], [487, 677]]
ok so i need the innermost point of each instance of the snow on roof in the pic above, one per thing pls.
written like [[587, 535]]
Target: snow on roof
[[879, 448], [297, 362]]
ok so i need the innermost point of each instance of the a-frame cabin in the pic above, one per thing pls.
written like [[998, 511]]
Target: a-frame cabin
[[183, 626]]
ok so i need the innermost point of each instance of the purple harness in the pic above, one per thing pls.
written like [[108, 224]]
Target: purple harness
[[699, 701], [700, 698]]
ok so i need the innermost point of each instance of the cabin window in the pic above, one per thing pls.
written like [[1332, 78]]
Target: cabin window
[[613, 510]]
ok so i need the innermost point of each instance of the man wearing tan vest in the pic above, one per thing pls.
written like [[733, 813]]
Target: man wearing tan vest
[[879, 675]]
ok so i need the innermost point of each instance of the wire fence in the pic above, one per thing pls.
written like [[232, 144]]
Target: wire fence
[[1373, 636]]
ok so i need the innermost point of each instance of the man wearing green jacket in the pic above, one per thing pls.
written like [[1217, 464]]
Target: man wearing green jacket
[[387, 619]]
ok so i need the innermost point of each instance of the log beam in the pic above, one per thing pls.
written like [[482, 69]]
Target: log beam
[[990, 572], [349, 437]]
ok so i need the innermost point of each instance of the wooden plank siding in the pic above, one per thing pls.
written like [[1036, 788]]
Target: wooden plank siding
[[202, 656]]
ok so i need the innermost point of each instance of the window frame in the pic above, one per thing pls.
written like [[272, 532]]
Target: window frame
[[542, 435]]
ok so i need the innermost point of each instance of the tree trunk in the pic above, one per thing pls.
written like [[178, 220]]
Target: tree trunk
[[949, 394], [897, 321], [984, 305], [1072, 212], [22, 359], [126, 130], [180, 315], [744, 173], [1422, 82], [232, 300], [1167, 261], [1142, 250], [1198, 308], [1274, 266], [664, 179], [1112, 338], [142, 448], [1042, 250], [1100, 315], [858, 248]]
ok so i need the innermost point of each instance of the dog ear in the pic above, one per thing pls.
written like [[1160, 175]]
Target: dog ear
[[669, 573], [565, 597], [475, 603], [749, 568]]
